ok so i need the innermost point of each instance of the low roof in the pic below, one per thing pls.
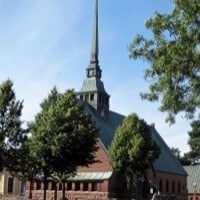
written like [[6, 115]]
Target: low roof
[[193, 177], [90, 176]]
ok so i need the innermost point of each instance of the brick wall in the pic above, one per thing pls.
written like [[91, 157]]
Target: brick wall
[[103, 164]]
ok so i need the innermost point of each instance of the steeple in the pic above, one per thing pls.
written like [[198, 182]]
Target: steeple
[[93, 68], [92, 90]]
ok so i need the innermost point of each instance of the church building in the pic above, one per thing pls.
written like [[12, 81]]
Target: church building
[[99, 181]]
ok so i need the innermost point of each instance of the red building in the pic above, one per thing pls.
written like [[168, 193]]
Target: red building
[[99, 181]]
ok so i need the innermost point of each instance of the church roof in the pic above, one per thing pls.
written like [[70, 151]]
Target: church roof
[[167, 162], [92, 84]]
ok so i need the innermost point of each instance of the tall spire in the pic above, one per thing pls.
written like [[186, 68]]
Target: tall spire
[[93, 91], [95, 42], [93, 69]]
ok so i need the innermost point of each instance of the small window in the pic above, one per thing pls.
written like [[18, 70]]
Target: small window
[[179, 187], [38, 185], [69, 186], [53, 185], [81, 97], [167, 186], [85, 186], [91, 97], [94, 186], [160, 185], [60, 186], [173, 187], [10, 185], [77, 186]]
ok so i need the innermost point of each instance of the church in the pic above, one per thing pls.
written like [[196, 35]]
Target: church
[[99, 181]]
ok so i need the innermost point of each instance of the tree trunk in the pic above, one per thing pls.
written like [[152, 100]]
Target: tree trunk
[[55, 192], [31, 188], [129, 187], [63, 191], [45, 186]]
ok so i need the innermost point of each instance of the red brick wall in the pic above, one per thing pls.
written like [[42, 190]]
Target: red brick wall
[[179, 182], [103, 164]]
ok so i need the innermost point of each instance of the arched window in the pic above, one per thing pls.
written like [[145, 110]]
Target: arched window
[[179, 187], [85, 186], [173, 187], [69, 186], [94, 186], [160, 185], [77, 186], [38, 185], [167, 186]]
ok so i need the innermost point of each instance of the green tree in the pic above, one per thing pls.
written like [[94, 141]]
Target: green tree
[[185, 159], [176, 152], [12, 135], [133, 151], [63, 136], [194, 139], [173, 53]]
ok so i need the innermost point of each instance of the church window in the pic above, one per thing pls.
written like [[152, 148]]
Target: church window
[[91, 97], [167, 186], [85, 186], [38, 185], [179, 187], [94, 186], [10, 184], [173, 187], [69, 186], [160, 185], [77, 186], [53, 185], [60, 186]]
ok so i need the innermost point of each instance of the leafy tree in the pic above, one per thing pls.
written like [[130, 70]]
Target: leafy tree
[[12, 135], [63, 136], [194, 139], [133, 150], [185, 159], [173, 54], [176, 152]]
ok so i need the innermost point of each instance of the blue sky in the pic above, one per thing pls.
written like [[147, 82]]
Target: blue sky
[[47, 43]]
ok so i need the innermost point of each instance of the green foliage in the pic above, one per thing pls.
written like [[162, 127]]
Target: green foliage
[[133, 150], [132, 147], [194, 139], [173, 54], [12, 135], [63, 136], [185, 159]]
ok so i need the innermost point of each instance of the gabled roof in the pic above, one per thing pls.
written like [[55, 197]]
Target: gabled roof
[[193, 177], [167, 162]]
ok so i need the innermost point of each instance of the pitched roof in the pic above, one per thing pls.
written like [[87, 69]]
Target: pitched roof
[[193, 177], [167, 162]]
